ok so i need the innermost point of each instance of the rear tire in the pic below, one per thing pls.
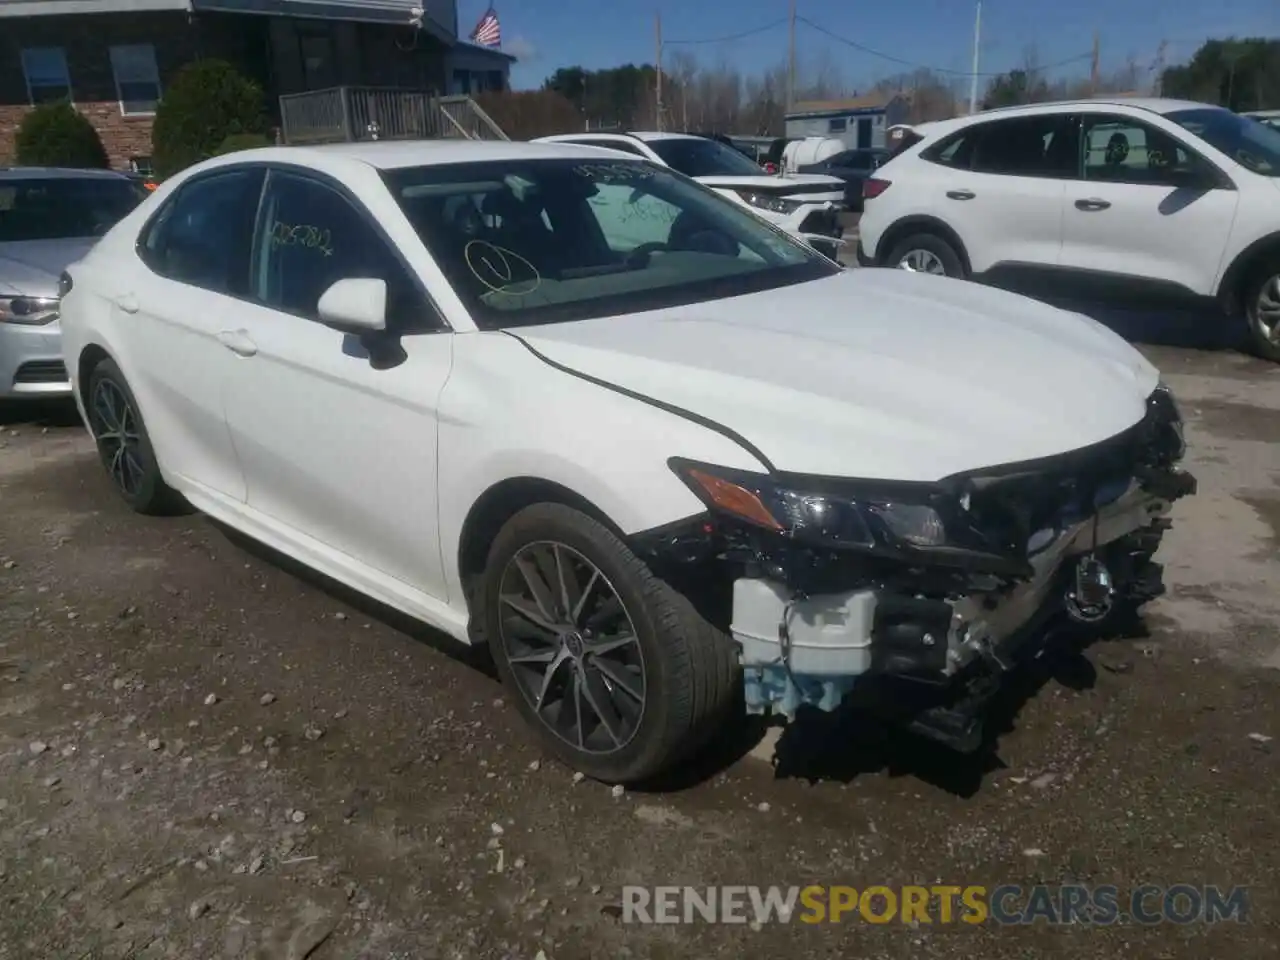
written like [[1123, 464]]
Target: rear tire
[[124, 445], [926, 253], [619, 710], [1262, 311]]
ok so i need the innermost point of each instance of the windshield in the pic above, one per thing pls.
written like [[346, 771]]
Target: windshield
[[542, 241], [696, 157], [1253, 145], [63, 208]]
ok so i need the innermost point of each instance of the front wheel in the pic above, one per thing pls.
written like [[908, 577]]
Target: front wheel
[[1262, 311], [926, 253], [124, 445], [617, 672]]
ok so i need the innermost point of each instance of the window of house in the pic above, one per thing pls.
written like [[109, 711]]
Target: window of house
[[137, 78], [837, 126], [319, 60], [312, 238], [48, 78]]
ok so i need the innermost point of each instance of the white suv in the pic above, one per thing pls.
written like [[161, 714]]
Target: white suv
[[807, 206], [1097, 199]]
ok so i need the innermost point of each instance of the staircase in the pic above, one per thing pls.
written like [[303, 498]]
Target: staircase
[[348, 114]]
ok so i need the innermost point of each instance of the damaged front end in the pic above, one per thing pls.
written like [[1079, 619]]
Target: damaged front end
[[919, 596]]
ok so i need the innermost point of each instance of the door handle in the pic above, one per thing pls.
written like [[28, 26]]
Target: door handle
[[238, 342], [1092, 203], [961, 194], [127, 302]]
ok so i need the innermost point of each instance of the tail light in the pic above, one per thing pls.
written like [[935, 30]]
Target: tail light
[[149, 185], [770, 168], [872, 187]]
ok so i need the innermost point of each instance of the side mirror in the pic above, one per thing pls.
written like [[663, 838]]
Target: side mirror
[[356, 305]]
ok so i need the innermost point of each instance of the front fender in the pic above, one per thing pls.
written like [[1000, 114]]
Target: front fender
[[506, 414]]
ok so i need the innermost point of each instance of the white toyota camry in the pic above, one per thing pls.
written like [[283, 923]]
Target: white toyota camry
[[658, 480]]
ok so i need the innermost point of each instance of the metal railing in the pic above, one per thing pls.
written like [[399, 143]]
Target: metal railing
[[345, 114]]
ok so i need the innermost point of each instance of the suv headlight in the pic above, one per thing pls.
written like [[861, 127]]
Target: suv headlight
[[765, 201], [29, 311]]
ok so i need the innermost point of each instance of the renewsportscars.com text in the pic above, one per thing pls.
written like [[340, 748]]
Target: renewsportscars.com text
[[1007, 904]]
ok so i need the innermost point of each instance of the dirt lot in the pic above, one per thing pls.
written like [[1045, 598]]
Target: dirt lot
[[206, 754]]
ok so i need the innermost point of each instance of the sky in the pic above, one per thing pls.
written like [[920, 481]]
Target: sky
[[547, 34]]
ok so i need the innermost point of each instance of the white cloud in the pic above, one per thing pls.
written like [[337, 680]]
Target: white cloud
[[521, 49]]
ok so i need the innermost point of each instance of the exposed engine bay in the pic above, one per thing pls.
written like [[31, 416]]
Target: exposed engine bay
[[831, 587]]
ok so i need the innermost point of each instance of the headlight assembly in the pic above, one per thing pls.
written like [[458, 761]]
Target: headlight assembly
[[909, 521], [29, 311], [878, 516], [765, 201]]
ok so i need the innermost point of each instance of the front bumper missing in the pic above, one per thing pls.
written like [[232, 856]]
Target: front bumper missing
[[927, 644]]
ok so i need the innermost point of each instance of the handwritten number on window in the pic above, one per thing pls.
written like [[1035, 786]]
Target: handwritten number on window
[[301, 235]]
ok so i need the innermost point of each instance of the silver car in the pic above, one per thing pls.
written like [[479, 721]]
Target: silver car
[[49, 218]]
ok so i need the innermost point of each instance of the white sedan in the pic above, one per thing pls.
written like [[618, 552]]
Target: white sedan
[[656, 480]]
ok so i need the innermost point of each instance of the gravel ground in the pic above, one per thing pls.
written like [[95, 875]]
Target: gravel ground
[[207, 753]]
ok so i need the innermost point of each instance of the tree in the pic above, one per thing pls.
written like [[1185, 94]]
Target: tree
[[1236, 74], [1013, 88], [207, 102], [58, 135]]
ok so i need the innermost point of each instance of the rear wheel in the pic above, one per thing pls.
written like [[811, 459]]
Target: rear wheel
[[1262, 311], [926, 253], [616, 671], [124, 445]]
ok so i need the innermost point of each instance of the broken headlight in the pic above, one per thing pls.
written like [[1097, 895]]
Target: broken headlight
[[876, 516]]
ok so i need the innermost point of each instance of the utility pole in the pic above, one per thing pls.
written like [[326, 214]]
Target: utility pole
[[977, 42], [1093, 72], [657, 23], [791, 61]]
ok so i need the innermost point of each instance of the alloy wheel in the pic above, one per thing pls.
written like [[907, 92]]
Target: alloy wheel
[[572, 647], [922, 261], [115, 427], [1266, 310]]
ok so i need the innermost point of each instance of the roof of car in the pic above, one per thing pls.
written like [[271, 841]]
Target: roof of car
[[59, 173], [396, 154]]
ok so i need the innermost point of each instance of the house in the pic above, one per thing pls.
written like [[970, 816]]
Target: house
[[112, 58], [859, 123]]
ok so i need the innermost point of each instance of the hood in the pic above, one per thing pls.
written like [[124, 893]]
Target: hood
[[879, 374], [820, 178], [32, 267], [778, 186]]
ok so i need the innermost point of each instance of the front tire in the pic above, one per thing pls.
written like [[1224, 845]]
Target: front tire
[[124, 445], [1262, 312], [617, 672], [926, 253]]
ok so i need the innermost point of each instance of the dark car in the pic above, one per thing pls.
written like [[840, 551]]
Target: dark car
[[853, 167]]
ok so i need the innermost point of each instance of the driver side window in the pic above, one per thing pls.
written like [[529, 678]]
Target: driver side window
[[629, 218], [311, 237]]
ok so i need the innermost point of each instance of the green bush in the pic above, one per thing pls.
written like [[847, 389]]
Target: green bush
[[207, 102], [243, 141], [58, 135]]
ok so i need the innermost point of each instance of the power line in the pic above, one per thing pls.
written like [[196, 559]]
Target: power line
[[734, 36], [923, 66]]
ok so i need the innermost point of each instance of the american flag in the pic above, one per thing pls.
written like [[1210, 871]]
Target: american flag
[[488, 33]]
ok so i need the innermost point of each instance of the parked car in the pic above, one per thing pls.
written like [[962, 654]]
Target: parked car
[[808, 210], [1159, 200], [853, 167], [652, 479], [48, 218]]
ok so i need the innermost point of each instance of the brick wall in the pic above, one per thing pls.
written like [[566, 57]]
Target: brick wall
[[87, 40]]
